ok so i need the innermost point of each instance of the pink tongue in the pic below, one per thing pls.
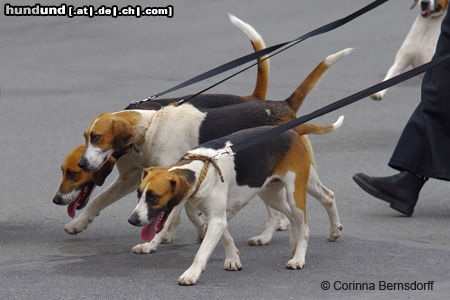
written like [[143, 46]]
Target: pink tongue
[[148, 232], [71, 209]]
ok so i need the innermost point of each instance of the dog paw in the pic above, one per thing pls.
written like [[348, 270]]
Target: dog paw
[[168, 237], [258, 240], [335, 233], [189, 277], [201, 233], [284, 224], [144, 248], [232, 264], [77, 225], [377, 96], [295, 264]]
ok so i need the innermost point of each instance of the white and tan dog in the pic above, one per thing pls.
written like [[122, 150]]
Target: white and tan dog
[[280, 170], [420, 44]]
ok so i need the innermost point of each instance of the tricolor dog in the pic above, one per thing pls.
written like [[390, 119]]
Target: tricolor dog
[[280, 170], [160, 138], [420, 44], [77, 185]]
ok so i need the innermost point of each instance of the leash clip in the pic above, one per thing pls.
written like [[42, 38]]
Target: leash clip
[[143, 100], [226, 150]]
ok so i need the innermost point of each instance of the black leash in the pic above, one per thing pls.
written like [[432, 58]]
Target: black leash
[[250, 57], [338, 104]]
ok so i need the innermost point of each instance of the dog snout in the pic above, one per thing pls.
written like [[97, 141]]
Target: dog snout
[[424, 4], [83, 163], [134, 220], [58, 200]]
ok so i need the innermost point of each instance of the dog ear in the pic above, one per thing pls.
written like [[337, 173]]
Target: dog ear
[[146, 171], [414, 4], [105, 170], [180, 187], [123, 134]]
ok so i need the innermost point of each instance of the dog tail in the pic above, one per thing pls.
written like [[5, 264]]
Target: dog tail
[[316, 129], [262, 79], [296, 99]]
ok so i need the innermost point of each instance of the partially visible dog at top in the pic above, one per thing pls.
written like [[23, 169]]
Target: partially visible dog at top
[[420, 44]]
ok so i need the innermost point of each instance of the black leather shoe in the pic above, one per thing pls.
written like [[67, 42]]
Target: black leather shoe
[[400, 190]]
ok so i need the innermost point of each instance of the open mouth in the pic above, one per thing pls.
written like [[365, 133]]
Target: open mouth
[[426, 13], [149, 231], [81, 200]]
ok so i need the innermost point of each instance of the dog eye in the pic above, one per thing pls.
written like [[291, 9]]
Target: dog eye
[[95, 138], [70, 174], [152, 198]]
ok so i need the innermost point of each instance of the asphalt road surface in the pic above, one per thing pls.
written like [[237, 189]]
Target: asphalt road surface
[[57, 74]]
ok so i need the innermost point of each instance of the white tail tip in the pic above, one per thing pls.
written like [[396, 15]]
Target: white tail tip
[[339, 122], [331, 59], [249, 31]]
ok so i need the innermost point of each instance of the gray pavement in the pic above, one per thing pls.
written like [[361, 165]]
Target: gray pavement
[[56, 74]]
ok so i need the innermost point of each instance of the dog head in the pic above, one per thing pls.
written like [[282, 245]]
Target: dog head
[[77, 185], [431, 8], [159, 192], [108, 133]]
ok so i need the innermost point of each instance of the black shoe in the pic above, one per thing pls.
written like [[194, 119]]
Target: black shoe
[[400, 190]]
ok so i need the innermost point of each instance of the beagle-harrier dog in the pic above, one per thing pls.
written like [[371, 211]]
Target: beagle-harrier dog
[[280, 170]]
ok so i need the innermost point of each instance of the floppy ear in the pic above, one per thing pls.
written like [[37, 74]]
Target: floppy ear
[[180, 187], [147, 171], [123, 134], [105, 170], [414, 4]]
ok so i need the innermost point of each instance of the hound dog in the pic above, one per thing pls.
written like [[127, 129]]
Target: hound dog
[[152, 138], [420, 44], [77, 185], [280, 170]]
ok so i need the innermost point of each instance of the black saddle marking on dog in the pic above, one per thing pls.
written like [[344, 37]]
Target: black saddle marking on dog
[[223, 121], [254, 164]]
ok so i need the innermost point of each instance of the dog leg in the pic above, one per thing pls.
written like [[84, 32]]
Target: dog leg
[[402, 61], [170, 227], [275, 198], [194, 216], [123, 185], [283, 223], [274, 218], [232, 261], [296, 187], [327, 199], [217, 222]]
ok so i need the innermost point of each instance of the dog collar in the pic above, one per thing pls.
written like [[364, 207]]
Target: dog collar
[[204, 171]]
